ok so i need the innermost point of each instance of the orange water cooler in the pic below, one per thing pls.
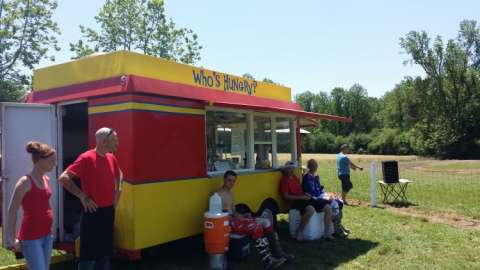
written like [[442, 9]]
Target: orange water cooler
[[216, 235]]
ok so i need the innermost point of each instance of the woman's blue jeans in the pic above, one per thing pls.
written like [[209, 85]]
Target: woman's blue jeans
[[38, 252]]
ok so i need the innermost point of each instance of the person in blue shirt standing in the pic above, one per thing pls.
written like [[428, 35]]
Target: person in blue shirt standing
[[343, 167]]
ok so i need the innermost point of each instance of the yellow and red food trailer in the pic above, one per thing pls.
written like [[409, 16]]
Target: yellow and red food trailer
[[180, 127]]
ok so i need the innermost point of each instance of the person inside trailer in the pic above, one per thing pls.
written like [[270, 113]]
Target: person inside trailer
[[311, 185], [262, 161], [292, 192], [259, 228]]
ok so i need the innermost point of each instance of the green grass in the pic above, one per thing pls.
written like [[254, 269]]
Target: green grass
[[7, 257], [431, 191], [380, 240]]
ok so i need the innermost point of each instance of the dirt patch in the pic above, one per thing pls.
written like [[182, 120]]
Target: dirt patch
[[452, 219], [430, 167], [455, 220], [358, 158]]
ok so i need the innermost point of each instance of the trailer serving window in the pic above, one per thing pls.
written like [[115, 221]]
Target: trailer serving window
[[226, 140], [232, 137], [285, 143], [263, 142]]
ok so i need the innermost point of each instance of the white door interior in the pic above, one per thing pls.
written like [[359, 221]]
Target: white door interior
[[21, 123]]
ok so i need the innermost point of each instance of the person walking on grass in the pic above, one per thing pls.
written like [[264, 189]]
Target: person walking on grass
[[343, 169], [100, 177], [32, 192]]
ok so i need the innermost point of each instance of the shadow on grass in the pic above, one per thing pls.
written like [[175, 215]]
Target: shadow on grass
[[186, 253], [330, 255], [189, 253], [400, 204]]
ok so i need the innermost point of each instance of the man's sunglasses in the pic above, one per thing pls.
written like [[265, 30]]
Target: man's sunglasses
[[109, 133]]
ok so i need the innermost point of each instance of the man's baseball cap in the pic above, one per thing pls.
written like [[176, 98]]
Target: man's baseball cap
[[344, 146], [290, 164]]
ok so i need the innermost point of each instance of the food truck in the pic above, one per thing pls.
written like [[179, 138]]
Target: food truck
[[180, 128]]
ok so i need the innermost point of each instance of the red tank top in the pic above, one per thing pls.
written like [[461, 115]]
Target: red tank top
[[37, 214]]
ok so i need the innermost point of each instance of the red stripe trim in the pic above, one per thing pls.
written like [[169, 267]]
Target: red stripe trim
[[79, 91], [322, 116], [226, 99], [139, 84], [147, 85]]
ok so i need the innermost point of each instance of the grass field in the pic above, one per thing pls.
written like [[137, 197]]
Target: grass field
[[381, 238], [441, 189]]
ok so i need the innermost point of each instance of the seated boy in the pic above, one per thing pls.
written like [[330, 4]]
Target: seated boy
[[260, 229]]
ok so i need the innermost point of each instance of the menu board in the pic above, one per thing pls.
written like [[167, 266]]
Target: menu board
[[238, 141]]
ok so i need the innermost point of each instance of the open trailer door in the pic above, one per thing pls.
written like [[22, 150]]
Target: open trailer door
[[20, 123]]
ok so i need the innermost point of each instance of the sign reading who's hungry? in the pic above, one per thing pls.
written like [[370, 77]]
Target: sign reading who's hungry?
[[229, 83]]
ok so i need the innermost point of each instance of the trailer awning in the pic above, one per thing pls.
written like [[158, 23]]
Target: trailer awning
[[306, 118], [314, 120]]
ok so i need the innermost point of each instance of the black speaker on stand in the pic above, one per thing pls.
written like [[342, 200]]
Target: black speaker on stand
[[390, 171]]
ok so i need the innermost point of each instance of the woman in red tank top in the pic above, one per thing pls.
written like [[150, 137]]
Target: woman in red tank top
[[32, 193]]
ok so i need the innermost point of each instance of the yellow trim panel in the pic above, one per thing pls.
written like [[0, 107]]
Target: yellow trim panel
[[143, 106]]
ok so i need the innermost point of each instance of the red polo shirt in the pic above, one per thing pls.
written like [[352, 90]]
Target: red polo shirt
[[291, 185], [97, 175]]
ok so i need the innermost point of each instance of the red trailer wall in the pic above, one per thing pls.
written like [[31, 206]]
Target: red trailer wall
[[154, 145]]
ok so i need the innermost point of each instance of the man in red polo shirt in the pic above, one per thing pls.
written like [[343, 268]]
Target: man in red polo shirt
[[100, 178]]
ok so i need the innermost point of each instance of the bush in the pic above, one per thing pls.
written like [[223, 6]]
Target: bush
[[359, 142], [402, 143], [386, 141], [319, 142], [383, 142]]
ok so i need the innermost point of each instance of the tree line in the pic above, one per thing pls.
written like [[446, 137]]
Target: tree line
[[434, 115]]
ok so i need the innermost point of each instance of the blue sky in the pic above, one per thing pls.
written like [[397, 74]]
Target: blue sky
[[306, 45]]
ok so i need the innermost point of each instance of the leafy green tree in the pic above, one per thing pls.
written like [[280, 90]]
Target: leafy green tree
[[449, 98], [469, 40], [27, 32], [306, 100], [358, 106], [267, 80], [248, 76], [402, 107], [10, 91], [138, 25]]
